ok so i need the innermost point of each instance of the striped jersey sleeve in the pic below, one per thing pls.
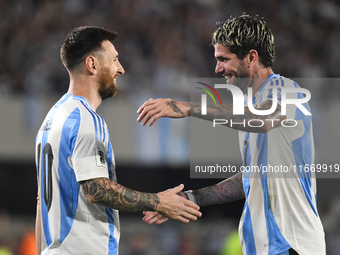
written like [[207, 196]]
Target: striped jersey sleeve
[[89, 144]]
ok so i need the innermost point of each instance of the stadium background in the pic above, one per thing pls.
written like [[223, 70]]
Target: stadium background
[[161, 45]]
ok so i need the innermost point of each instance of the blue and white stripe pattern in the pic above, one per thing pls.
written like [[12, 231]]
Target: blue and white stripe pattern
[[280, 209], [75, 140]]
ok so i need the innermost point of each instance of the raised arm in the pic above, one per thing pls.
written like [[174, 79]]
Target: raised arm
[[226, 191], [110, 194], [154, 109]]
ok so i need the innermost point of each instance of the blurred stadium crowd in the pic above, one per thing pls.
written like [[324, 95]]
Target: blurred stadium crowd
[[162, 44]]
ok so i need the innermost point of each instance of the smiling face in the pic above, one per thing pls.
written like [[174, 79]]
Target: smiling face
[[109, 70], [231, 67]]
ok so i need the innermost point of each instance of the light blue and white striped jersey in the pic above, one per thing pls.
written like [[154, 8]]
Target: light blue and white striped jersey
[[280, 209], [73, 145]]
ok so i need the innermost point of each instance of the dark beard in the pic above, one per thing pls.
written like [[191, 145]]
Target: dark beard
[[104, 91], [107, 92], [243, 80]]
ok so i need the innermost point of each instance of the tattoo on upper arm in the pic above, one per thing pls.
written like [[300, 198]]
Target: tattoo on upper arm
[[226, 191], [174, 107], [113, 195]]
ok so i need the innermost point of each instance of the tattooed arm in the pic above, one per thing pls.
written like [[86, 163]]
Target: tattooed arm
[[152, 110], [113, 195], [162, 107], [226, 191]]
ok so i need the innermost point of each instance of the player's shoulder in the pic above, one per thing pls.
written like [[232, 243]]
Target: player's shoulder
[[77, 107], [86, 112], [83, 107], [279, 81], [74, 109], [275, 83]]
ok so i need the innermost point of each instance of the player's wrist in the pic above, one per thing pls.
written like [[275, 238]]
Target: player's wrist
[[186, 110], [191, 196], [156, 202]]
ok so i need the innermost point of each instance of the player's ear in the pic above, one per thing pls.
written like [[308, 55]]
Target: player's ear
[[252, 57], [91, 64]]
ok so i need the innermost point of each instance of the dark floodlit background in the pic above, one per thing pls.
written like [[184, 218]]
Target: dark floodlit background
[[161, 45]]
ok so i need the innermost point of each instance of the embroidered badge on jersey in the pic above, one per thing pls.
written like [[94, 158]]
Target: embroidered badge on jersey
[[100, 157]]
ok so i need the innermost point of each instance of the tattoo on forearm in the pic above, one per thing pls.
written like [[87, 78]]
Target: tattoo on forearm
[[174, 107], [226, 191], [113, 195]]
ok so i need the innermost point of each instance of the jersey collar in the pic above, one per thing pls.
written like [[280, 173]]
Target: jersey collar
[[80, 98]]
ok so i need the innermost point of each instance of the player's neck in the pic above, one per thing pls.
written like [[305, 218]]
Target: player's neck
[[86, 88], [260, 75]]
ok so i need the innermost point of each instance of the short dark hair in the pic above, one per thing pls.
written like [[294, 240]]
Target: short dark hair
[[81, 41], [244, 33]]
